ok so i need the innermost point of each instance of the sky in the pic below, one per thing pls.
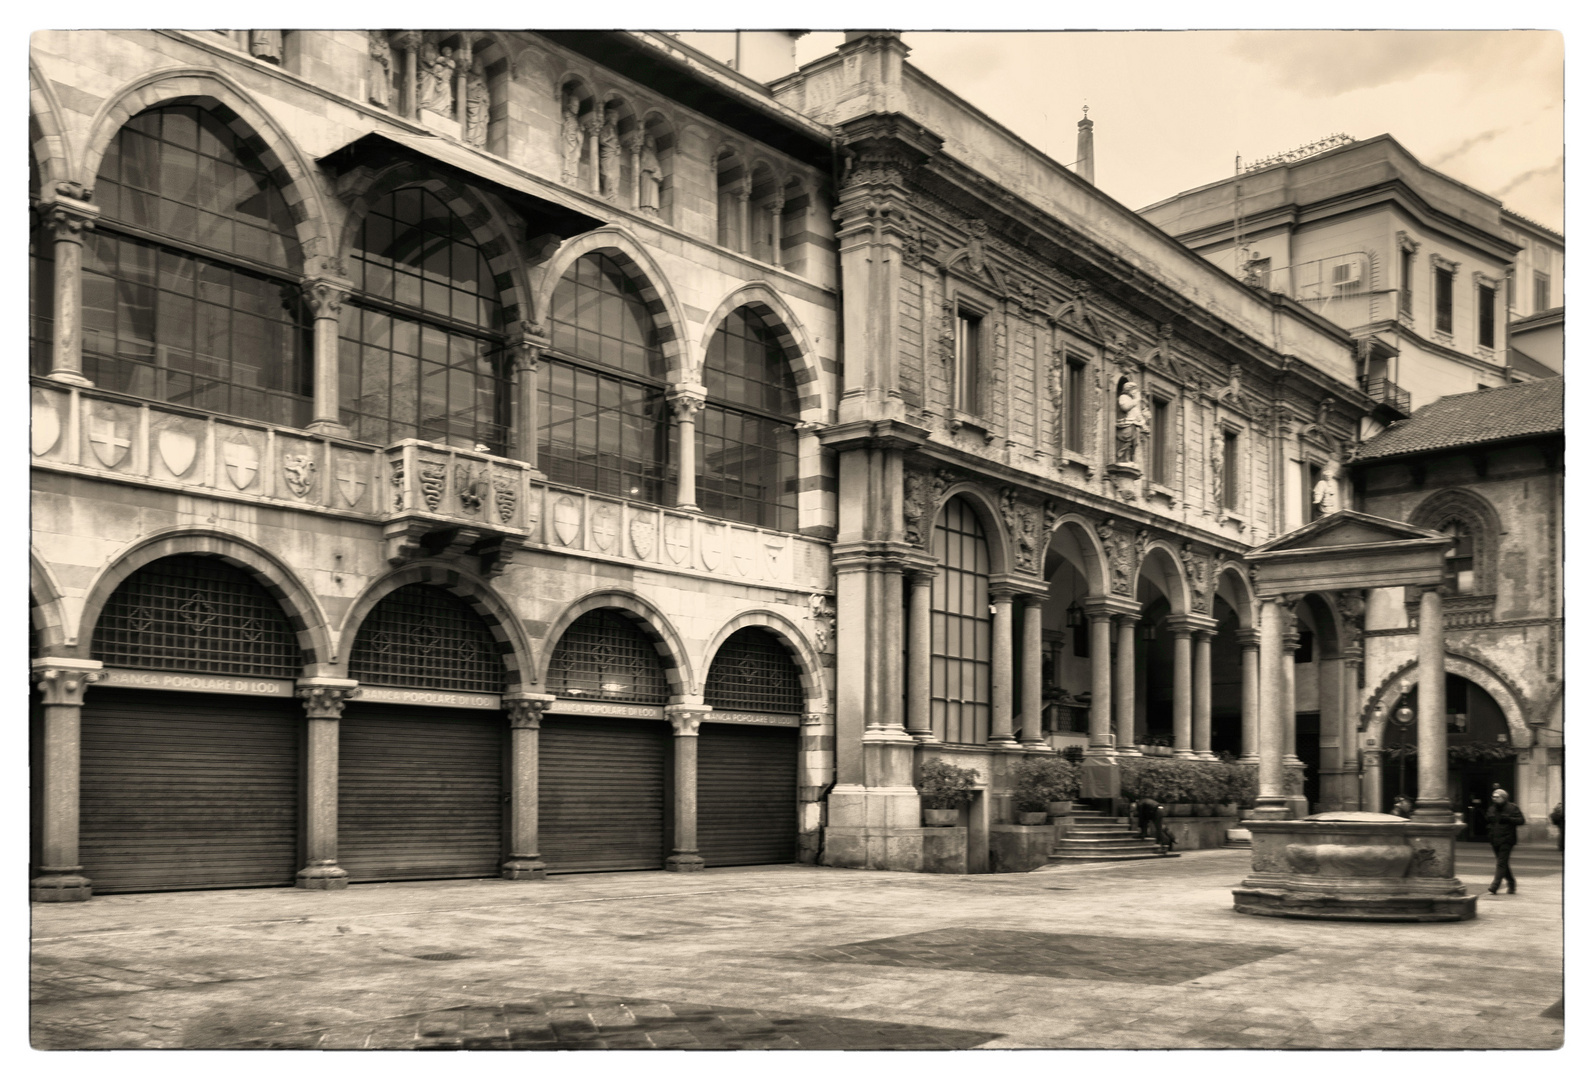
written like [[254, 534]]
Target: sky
[[1173, 108]]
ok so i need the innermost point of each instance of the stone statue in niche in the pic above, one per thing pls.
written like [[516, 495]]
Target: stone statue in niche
[[571, 138], [379, 69], [609, 157], [1325, 494], [1131, 420], [436, 91], [266, 45], [652, 186], [477, 103]]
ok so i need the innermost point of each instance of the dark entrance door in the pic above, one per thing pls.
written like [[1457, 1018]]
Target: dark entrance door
[[746, 794], [601, 793]]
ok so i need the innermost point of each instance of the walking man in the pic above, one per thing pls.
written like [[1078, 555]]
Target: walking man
[[1500, 824]]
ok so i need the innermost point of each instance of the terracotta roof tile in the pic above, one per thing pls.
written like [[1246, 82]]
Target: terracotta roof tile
[[1505, 412]]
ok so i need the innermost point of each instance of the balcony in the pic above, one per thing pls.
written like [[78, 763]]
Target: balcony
[[1388, 393]]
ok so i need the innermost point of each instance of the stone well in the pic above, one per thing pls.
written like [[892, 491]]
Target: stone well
[[1355, 865]]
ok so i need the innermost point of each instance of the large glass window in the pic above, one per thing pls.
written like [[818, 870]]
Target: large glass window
[[960, 628], [746, 438], [753, 672], [424, 636], [603, 426], [189, 280], [603, 656], [421, 353], [41, 275]]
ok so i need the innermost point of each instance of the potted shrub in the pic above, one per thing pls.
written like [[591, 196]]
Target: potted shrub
[[1043, 786], [944, 789]]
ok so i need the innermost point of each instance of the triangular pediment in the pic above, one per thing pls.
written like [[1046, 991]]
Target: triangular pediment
[[1345, 528]]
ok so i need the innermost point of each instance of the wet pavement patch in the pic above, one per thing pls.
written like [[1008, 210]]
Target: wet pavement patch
[[568, 1021], [1056, 956]]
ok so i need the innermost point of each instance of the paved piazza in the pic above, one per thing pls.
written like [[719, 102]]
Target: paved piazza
[[1141, 955]]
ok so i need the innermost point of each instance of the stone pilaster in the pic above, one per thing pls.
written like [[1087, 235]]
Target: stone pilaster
[[323, 700], [525, 724], [686, 720], [62, 682]]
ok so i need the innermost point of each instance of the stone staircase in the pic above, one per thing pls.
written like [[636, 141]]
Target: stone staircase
[[1092, 836]]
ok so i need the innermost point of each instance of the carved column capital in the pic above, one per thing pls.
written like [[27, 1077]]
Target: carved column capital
[[409, 40], [525, 710], [686, 401], [70, 217], [685, 719], [1249, 639], [64, 681], [633, 142], [527, 344], [325, 296], [324, 698]]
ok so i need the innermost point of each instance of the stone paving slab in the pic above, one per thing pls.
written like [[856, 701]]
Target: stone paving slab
[[737, 958]]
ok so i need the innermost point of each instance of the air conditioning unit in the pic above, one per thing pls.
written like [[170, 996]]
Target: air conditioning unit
[[1347, 276]]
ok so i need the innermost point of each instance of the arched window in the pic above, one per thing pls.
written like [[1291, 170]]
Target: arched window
[[960, 628], [604, 657], [422, 353], [601, 388], [753, 672], [190, 276], [747, 442], [196, 613], [41, 272], [424, 636], [1458, 563], [731, 192]]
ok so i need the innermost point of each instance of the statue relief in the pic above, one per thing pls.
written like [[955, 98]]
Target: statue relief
[[1131, 421], [652, 175], [477, 103], [266, 45], [1024, 524], [609, 158], [1325, 494], [571, 137], [379, 69], [1215, 466], [437, 80]]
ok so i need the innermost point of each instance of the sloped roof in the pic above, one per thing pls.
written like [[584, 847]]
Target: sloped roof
[[1506, 412]]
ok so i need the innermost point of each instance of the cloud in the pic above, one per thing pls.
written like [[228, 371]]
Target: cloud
[[1553, 169], [1324, 63]]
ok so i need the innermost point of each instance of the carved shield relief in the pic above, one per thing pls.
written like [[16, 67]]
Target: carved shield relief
[[46, 422], [351, 480], [712, 545], [677, 538], [177, 449], [110, 434], [242, 462], [643, 531], [566, 520], [605, 526]]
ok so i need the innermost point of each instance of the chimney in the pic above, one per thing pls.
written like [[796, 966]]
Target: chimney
[[766, 55], [1085, 166]]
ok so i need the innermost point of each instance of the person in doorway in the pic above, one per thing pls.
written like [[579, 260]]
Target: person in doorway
[[1403, 807], [1150, 813], [1558, 819], [1501, 821]]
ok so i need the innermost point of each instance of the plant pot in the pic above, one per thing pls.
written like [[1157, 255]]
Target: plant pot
[[1032, 817], [940, 818], [1060, 809]]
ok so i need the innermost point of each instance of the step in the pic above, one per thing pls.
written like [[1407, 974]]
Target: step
[[1112, 858]]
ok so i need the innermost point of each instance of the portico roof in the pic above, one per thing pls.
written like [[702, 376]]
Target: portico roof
[[1349, 550]]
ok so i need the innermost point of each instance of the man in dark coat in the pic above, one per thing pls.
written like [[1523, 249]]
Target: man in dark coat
[[1500, 824], [1558, 819], [1150, 813]]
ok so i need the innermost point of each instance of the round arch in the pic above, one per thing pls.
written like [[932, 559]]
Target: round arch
[[1160, 564], [238, 110], [476, 592], [1482, 521], [622, 246], [53, 147], [44, 607], [803, 653], [778, 317], [1321, 613], [299, 606], [1376, 712], [649, 619], [1234, 585], [481, 213], [1080, 532], [984, 507]]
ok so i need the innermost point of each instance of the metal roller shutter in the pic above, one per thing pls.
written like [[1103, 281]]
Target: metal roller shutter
[[746, 794], [420, 793], [602, 787], [189, 791]]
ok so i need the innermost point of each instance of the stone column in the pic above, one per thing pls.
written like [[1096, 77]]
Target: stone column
[[1292, 642], [323, 700], [410, 42], [920, 581], [1181, 692], [744, 194], [1250, 642], [324, 296], [1433, 803], [1030, 665], [1001, 668], [633, 148], [1201, 696], [62, 683], [462, 62], [685, 402], [1271, 803], [1124, 696], [1100, 681], [774, 207], [589, 145], [1350, 697], [686, 719], [526, 348], [525, 726], [70, 215]]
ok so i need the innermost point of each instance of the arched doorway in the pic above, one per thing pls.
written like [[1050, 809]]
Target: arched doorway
[[1477, 744]]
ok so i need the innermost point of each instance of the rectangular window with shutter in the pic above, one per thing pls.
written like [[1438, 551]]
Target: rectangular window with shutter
[[1541, 291], [1231, 470], [1444, 284], [1486, 316], [966, 388], [1159, 442], [1074, 404]]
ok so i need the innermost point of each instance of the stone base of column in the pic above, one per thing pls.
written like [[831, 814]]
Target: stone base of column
[[1205, 755], [1248, 759], [1435, 810], [684, 862], [524, 868], [1128, 751], [324, 875], [881, 828], [59, 887], [75, 378], [888, 758], [1036, 745], [1270, 808], [1186, 755], [924, 738], [329, 427]]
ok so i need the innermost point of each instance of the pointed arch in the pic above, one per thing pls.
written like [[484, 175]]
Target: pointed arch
[[236, 108], [621, 245], [1467, 664], [803, 653], [501, 620], [52, 148], [653, 623], [298, 604], [778, 316]]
